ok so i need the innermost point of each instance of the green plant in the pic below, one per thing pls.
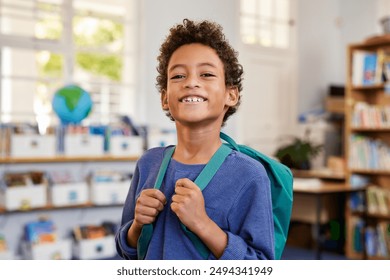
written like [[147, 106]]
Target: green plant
[[299, 152]]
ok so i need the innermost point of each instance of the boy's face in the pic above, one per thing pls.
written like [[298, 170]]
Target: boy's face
[[196, 92]]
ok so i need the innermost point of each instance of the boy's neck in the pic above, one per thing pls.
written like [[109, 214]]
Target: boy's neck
[[196, 147]]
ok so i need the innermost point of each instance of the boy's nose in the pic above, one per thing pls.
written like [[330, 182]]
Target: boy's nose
[[191, 81]]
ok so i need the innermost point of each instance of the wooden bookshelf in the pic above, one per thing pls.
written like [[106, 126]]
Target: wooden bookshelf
[[363, 143]]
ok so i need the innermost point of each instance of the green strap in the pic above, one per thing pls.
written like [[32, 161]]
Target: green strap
[[201, 181], [147, 230], [212, 167], [230, 141], [164, 166]]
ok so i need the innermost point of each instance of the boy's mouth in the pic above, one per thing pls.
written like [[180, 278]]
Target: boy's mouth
[[192, 99]]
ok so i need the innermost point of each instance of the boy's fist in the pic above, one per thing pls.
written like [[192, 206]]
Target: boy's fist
[[188, 204], [148, 205]]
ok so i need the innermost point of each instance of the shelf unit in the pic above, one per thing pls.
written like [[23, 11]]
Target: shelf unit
[[63, 159], [373, 95], [65, 217]]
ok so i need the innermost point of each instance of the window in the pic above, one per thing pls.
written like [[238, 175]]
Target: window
[[266, 23], [46, 44]]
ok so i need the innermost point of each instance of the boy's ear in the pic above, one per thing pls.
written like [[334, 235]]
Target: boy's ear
[[164, 100], [233, 95]]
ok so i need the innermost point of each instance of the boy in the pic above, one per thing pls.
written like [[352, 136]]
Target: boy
[[200, 82]]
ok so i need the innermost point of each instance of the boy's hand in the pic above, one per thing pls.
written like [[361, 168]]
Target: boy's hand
[[188, 204], [149, 204]]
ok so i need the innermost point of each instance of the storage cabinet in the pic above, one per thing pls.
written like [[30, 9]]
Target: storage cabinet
[[67, 206], [367, 148]]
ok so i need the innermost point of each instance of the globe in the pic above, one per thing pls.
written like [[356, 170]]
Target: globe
[[72, 104]]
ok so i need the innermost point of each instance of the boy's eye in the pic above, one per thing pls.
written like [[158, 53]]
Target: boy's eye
[[208, 75], [178, 76]]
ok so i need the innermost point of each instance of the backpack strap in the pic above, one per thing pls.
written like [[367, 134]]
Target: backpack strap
[[147, 230], [229, 140], [201, 181]]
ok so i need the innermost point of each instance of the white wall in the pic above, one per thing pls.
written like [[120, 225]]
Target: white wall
[[325, 28]]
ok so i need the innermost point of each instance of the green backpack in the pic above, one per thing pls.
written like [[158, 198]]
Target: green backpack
[[281, 181]]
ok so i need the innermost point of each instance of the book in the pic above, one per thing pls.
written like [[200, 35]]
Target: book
[[357, 232], [383, 206], [357, 67], [371, 241], [356, 201], [372, 200], [383, 239], [369, 69], [38, 232]]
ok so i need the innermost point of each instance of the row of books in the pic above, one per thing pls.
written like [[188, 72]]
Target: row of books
[[377, 240], [373, 239], [365, 115], [368, 153], [378, 200], [370, 68]]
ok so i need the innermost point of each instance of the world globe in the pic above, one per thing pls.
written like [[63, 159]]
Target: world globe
[[72, 104]]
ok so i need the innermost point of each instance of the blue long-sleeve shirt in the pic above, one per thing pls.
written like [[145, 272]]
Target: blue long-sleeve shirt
[[238, 199]]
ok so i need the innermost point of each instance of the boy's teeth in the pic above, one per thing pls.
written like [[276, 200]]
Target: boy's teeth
[[193, 99]]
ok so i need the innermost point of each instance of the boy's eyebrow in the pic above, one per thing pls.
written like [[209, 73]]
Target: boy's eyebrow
[[184, 65]]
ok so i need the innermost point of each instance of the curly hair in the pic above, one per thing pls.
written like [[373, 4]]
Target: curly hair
[[209, 34]]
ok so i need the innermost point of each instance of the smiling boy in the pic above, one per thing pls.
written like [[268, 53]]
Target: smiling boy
[[200, 82]]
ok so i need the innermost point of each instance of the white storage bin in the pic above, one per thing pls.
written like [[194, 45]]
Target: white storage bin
[[99, 248], [84, 145], [159, 139], [32, 145], [60, 250], [126, 145], [106, 193], [68, 194], [23, 198], [6, 255]]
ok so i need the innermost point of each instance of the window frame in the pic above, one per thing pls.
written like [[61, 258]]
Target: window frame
[[256, 44], [68, 49]]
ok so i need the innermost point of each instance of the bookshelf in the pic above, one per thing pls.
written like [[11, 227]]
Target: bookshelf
[[367, 148], [93, 211]]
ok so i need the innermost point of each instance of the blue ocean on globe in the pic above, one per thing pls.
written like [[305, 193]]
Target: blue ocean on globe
[[72, 104]]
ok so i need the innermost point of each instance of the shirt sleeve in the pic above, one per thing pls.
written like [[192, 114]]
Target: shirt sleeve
[[251, 228], [123, 249]]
